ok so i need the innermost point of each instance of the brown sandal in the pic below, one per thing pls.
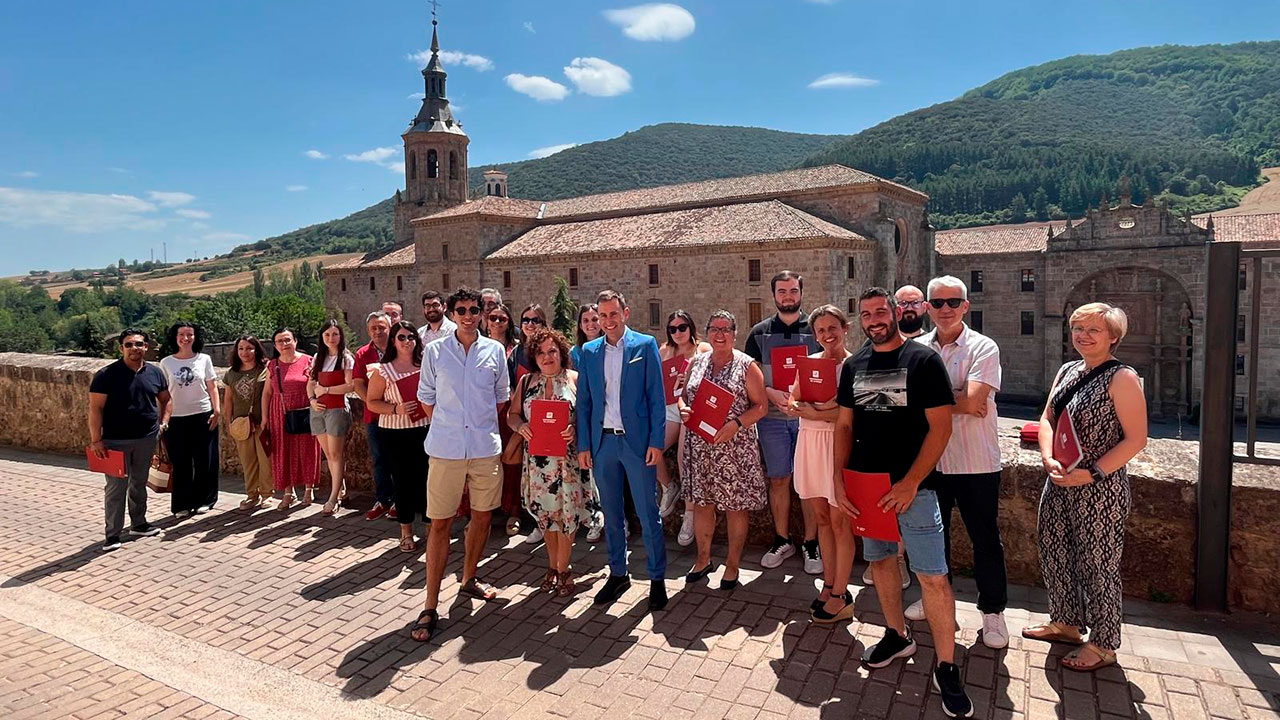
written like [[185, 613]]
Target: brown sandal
[[408, 545], [1105, 658], [432, 619], [1052, 632], [549, 582], [566, 586], [478, 590]]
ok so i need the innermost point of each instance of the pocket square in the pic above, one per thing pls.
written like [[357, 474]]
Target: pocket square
[[635, 359]]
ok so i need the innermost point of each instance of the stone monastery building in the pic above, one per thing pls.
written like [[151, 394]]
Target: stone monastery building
[[708, 245]]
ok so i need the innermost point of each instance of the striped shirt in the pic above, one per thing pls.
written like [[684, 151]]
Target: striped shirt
[[392, 395], [974, 445]]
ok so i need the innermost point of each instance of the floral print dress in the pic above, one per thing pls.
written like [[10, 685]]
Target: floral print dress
[[556, 492], [730, 475]]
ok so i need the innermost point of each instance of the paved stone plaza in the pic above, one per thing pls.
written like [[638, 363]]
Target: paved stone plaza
[[294, 615]]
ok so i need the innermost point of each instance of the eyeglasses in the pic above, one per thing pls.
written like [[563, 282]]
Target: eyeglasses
[[682, 327], [284, 341], [713, 330], [497, 318], [531, 321], [469, 310], [405, 338], [952, 303], [132, 345], [911, 303]]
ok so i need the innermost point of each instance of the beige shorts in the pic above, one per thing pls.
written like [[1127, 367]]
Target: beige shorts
[[446, 479]]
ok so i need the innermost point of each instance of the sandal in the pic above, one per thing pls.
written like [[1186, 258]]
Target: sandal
[[478, 590], [1105, 658], [818, 601], [250, 503], [408, 545], [822, 617], [513, 526], [1052, 632], [328, 508], [286, 502], [343, 501], [549, 582], [433, 618], [566, 586], [306, 497]]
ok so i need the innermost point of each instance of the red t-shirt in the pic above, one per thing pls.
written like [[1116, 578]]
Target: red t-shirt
[[366, 355]]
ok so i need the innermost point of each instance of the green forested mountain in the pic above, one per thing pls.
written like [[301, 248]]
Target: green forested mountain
[[1190, 124]]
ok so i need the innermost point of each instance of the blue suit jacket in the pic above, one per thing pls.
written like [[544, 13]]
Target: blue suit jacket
[[643, 399]]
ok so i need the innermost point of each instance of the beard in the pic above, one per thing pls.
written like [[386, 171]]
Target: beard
[[787, 308], [880, 334], [911, 322], [433, 316]]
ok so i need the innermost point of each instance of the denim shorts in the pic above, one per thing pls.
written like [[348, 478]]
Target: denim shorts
[[921, 530], [334, 421], [778, 444]]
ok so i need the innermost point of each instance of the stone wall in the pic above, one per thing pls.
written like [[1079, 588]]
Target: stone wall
[[45, 397]]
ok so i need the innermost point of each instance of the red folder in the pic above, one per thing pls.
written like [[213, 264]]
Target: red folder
[[817, 379], [864, 490], [408, 387], [782, 363], [547, 419], [671, 370], [112, 464], [1066, 444], [710, 410], [332, 379]]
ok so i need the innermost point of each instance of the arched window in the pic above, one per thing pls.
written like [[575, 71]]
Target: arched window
[[433, 164], [413, 166], [453, 165], [899, 238]]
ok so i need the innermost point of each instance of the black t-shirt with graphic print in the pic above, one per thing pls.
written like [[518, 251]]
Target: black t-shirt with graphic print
[[889, 393]]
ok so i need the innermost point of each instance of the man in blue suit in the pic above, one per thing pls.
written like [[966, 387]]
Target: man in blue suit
[[621, 428]]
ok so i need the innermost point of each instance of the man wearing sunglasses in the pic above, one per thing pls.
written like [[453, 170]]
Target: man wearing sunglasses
[[968, 473]]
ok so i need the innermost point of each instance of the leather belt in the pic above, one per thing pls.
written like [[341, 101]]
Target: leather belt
[[614, 431]]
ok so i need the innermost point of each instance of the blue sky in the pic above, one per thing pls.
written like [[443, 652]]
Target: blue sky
[[128, 124]]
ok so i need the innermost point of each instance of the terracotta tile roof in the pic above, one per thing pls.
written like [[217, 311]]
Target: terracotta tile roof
[[995, 239], [489, 205], [1263, 227], [769, 221], [707, 191], [403, 256]]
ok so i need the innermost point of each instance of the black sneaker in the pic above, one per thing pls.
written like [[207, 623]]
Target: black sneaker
[[112, 543], [145, 530], [891, 647], [946, 680]]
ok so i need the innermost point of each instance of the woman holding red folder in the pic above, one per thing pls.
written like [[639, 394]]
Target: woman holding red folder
[[402, 425], [815, 468], [726, 473], [329, 383], [555, 489]]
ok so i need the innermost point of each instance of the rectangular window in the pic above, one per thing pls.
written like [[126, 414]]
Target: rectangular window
[[372, 285], [975, 281], [1244, 279], [1239, 403], [851, 271], [1028, 281], [444, 281], [444, 251], [344, 284], [506, 278], [573, 277], [655, 313], [753, 271], [399, 283], [1239, 364], [653, 275], [1028, 322], [753, 312], [344, 316], [1240, 328], [975, 320], [853, 306]]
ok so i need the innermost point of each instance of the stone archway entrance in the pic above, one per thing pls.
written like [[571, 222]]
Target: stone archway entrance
[[1159, 343]]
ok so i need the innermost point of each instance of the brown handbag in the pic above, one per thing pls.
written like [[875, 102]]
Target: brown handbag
[[160, 477], [513, 453]]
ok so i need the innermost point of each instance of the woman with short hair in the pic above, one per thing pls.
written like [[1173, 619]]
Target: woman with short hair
[[242, 403], [191, 421], [1083, 510], [330, 381], [402, 435], [295, 456]]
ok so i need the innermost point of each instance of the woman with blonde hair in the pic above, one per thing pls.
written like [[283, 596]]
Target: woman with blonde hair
[[1083, 508]]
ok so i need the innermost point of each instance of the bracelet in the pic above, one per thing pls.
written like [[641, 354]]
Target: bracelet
[[740, 425]]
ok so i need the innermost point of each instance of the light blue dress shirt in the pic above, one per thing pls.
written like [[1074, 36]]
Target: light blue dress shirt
[[465, 389]]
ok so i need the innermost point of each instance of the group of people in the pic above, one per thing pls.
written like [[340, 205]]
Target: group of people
[[917, 407]]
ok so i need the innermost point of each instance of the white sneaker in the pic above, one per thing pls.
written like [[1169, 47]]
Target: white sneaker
[[812, 558], [915, 611], [670, 496], [596, 529], [626, 529], [778, 552], [995, 634], [534, 537], [867, 578], [685, 538], [902, 570]]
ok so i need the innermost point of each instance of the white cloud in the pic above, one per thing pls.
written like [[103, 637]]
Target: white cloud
[[316, 155], [529, 26], [653, 21], [76, 212], [550, 150], [594, 76], [453, 57], [377, 155], [295, 188], [416, 96], [396, 167], [27, 174], [842, 80], [193, 214], [197, 225], [170, 199], [537, 87]]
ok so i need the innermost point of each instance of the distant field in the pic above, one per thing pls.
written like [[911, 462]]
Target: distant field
[[189, 282], [1263, 199]]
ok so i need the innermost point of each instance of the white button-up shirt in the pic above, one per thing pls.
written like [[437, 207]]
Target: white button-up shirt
[[974, 445], [465, 388], [613, 383], [428, 335]]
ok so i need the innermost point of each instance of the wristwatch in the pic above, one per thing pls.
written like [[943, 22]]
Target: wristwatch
[[1096, 472]]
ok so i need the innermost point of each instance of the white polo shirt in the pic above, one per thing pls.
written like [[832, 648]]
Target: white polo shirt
[[974, 445]]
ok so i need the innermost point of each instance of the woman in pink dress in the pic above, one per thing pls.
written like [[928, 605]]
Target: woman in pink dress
[[295, 458]]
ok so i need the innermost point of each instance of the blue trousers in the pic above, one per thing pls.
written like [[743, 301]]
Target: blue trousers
[[616, 463], [384, 486]]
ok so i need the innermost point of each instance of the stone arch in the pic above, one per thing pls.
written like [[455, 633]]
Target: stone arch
[[900, 239], [1159, 340]]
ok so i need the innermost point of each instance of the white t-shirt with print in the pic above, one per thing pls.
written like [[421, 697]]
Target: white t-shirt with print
[[188, 383]]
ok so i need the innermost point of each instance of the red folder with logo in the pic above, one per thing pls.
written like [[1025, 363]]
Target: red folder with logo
[[782, 364], [710, 410], [408, 387], [864, 490], [547, 419], [112, 464], [671, 370], [817, 379], [332, 379], [1066, 444]]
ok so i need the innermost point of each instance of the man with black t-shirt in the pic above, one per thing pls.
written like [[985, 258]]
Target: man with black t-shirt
[[895, 418]]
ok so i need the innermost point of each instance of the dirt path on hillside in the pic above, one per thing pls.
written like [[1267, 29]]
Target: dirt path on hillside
[[1262, 199]]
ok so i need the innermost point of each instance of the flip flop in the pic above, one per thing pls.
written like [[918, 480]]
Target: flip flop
[[407, 545], [1105, 658], [433, 618], [478, 590], [1051, 632]]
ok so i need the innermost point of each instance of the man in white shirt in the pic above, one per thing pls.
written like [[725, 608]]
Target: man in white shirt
[[438, 325], [969, 469]]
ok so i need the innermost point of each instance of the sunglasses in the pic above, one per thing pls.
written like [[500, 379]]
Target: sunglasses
[[405, 338], [952, 303], [497, 318], [469, 310], [132, 345], [673, 329], [531, 321]]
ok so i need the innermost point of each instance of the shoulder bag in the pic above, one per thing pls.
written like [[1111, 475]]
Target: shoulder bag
[[513, 453], [1059, 404], [296, 422]]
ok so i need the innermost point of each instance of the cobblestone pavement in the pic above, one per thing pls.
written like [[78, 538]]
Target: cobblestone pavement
[[294, 615]]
